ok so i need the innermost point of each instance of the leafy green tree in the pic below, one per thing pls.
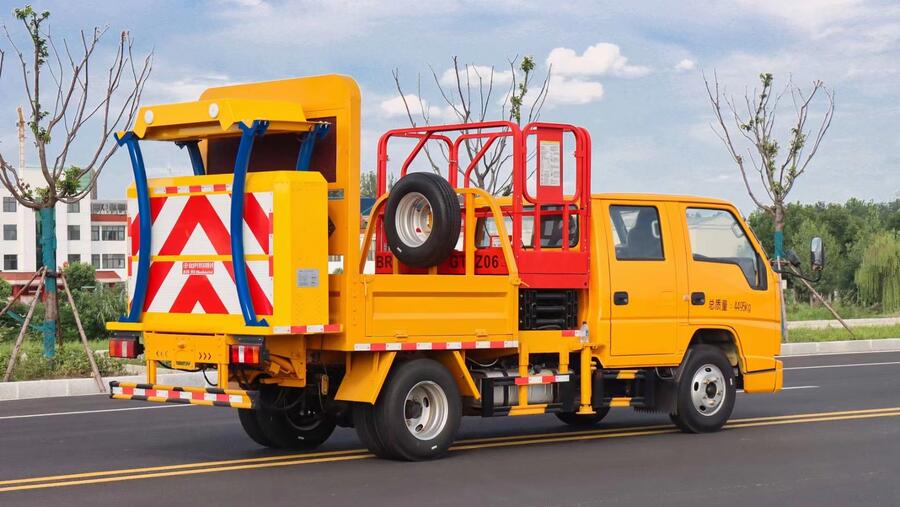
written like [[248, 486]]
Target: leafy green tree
[[5, 291], [879, 273], [80, 275]]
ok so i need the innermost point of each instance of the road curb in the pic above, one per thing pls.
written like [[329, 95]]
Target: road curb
[[30, 389], [837, 347]]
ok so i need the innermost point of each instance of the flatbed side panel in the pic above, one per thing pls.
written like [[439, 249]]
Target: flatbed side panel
[[431, 305]]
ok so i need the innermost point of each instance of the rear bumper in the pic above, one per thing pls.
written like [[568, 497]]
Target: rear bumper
[[206, 396]]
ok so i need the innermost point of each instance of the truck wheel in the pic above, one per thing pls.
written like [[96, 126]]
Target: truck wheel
[[364, 422], [419, 410], [706, 392], [295, 430], [422, 220], [583, 420], [251, 426]]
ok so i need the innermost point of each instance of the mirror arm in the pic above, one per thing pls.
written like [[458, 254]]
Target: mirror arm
[[799, 275]]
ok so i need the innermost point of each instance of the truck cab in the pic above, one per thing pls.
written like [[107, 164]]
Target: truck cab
[[544, 299]]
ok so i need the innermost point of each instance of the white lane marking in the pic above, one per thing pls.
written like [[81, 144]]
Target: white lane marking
[[26, 416], [839, 353], [840, 365], [789, 388]]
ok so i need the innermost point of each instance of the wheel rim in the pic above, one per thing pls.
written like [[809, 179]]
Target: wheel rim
[[413, 219], [426, 410], [708, 390]]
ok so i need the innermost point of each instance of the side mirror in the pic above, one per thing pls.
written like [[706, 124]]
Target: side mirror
[[817, 254], [792, 258]]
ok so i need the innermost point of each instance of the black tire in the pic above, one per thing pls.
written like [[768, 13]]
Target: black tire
[[285, 420], [691, 417], [445, 219], [364, 422], [583, 420], [440, 394], [251, 426]]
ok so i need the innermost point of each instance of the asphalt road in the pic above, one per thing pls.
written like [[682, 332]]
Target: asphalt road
[[831, 438]]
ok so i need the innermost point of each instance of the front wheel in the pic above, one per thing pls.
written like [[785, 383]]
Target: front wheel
[[418, 412], [705, 393]]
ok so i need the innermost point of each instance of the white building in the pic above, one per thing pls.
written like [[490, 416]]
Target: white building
[[91, 231]]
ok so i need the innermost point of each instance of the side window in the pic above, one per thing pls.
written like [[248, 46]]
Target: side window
[[636, 233], [716, 236]]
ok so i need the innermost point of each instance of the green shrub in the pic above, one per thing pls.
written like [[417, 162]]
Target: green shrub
[[70, 362]]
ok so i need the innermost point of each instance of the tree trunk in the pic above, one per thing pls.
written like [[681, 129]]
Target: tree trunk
[[779, 232], [51, 303]]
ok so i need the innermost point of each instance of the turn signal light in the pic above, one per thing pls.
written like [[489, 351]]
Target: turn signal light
[[248, 355], [124, 347]]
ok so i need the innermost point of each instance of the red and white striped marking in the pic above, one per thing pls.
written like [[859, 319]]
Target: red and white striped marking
[[177, 395], [186, 222], [541, 379], [472, 345], [187, 189], [573, 332], [314, 329]]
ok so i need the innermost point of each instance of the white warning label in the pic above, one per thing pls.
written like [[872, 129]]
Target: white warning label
[[550, 163]]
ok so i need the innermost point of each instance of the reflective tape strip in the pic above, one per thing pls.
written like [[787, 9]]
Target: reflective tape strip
[[573, 332], [174, 395], [541, 379], [312, 329], [396, 346], [186, 189]]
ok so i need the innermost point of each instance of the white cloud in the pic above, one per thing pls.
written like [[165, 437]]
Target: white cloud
[[476, 72], [816, 16], [573, 91], [183, 89], [597, 60], [395, 107], [685, 65]]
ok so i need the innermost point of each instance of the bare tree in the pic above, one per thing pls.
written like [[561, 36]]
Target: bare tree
[[473, 96], [748, 128], [77, 100]]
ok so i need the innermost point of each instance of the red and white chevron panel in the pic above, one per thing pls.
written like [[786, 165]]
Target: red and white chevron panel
[[196, 225], [472, 345], [541, 379]]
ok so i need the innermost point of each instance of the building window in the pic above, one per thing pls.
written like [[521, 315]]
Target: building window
[[113, 261], [10, 262], [74, 207], [112, 233], [74, 258], [95, 261], [10, 232], [9, 204], [74, 232], [95, 233]]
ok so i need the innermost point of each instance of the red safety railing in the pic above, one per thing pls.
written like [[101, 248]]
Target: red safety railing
[[562, 266]]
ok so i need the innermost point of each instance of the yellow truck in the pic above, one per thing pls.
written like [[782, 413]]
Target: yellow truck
[[450, 301]]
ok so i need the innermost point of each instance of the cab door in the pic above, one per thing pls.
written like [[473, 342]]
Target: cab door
[[642, 279], [728, 280]]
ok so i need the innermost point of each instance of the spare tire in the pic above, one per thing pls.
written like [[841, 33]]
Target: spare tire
[[422, 220]]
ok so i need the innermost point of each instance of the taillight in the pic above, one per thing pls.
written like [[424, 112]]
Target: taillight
[[247, 355], [126, 347]]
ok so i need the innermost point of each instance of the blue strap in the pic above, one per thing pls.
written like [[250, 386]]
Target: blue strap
[[241, 164], [145, 226], [319, 131], [194, 152]]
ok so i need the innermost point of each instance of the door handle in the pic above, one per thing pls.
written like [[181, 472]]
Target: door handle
[[698, 298], [620, 298]]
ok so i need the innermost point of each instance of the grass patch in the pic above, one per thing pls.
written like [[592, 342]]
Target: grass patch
[[805, 311], [839, 333], [70, 361]]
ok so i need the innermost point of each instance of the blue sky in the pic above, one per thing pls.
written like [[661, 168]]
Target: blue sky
[[650, 123]]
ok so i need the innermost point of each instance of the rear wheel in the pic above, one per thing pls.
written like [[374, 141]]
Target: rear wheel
[[364, 422], [583, 420], [287, 419], [705, 393], [419, 410]]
